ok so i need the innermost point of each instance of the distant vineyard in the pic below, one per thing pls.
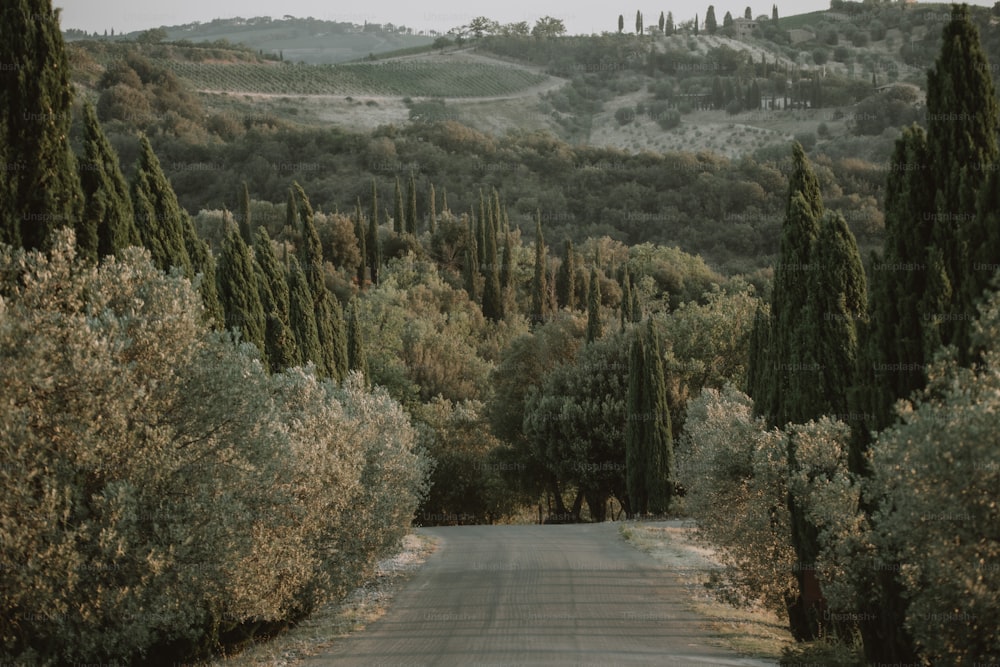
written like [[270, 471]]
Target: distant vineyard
[[416, 79]]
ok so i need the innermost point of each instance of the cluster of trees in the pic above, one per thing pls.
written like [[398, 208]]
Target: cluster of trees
[[865, 462], [186, 462]]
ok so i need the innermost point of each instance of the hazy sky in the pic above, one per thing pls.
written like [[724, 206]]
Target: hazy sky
[[579, 17]]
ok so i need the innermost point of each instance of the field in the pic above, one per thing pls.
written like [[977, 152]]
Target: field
[[394, 78]]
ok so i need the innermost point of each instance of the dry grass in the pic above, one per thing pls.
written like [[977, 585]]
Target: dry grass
[[755, 631], [334, 621]]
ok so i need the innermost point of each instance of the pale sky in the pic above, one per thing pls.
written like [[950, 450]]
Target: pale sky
[[580, 17]]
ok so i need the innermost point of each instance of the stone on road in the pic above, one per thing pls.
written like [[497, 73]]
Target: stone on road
[[536, 595]]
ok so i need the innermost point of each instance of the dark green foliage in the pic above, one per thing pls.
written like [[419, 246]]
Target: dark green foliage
[[566, 278], [107, 204], [962, 124], [471, 269], [507, 267], [411, 206], [398, 219], [711, 25], [360, 234], [626, 305], [302, 315], [374, 243], [291, 210], [158, 216], [539, 283], [39, 185], [282, 350], [239, 291], [493, 307], [244, 216], [431, 211], [204, 269], [594, 328], [329, 314], [837, 302], [357, 360], [649, 449]]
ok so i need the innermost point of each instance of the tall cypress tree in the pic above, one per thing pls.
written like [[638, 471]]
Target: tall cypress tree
[[660, 464], [539, 288], [471, 269], [626, 305], [566, 278], [962, 124], [358, 361], [594, 328], [239, 291], [492, 295], [359, 233], [302, 315], [291, 211], [507, 267], [244, 216], [204, 270], [374, 244], [158, 215], [636, 447], [432, 211], [411, 206], [329, 315], [39, 185], [107, 204], [279, 340], [481, 226], [398, 219], [837, 302]]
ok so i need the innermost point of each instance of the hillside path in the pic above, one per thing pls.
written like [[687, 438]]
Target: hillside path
[[536, 595]]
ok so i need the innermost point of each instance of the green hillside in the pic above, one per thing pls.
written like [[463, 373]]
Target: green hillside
[[401, 78]]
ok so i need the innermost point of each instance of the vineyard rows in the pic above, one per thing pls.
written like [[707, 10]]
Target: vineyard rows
[[416, 79]]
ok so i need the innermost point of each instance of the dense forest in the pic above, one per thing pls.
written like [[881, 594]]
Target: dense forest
[[241, 359]]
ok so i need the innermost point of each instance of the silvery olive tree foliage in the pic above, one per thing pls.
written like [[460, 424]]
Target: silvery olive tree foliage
[[158, 488]]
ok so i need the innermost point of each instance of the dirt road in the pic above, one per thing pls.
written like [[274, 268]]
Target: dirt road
[[536, 595]]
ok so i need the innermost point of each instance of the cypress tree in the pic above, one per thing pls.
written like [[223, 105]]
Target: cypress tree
[[710, 23], [158, 214], [279, 341], [204, 270], [837, 301], [374, 244], [39, 185], [539, 288], [566, 278], [291, 211], [302, 315], [432, 213], [411, 206], [359, 233], [444, 200], [626, 306], [471, 261], [355, 341], [962, 125], [107, 204], [244, 219], [594, 329], [661, 23], [659, 468], [239, 291], [507, 268], [398, 220], [329, 314], [492, 295], [481, 226], [636, 447]]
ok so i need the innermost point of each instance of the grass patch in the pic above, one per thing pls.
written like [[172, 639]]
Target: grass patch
[[753, 631]]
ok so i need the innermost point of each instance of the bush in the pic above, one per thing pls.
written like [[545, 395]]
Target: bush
[[168, 493], [625, 115], [937, 473]]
